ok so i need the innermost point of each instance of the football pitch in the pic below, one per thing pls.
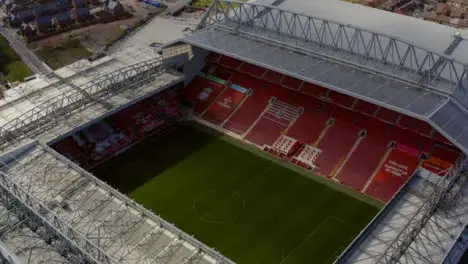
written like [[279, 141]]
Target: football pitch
[[250, 208]]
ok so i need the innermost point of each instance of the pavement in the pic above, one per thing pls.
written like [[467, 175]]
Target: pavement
[[26, 55]]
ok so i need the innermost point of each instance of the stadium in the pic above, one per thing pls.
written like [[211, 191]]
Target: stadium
[[271, 134]]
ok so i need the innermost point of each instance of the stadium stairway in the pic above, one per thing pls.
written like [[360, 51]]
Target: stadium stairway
[[335, 151], [251, 108], [397, 168], [229, 100], [365, 159], [313, 121], [201, 92], [274, 120]]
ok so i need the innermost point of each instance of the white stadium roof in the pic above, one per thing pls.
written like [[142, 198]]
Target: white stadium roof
[[398, 62], [53, 211], [432, 36], [101, 83], [98, 217]]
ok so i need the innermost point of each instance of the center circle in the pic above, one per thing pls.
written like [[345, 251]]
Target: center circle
[[219, 207]]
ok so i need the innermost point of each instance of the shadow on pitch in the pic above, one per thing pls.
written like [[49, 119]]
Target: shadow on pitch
[[151, 157]]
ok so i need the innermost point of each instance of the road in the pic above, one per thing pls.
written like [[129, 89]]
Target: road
[[26, 55]]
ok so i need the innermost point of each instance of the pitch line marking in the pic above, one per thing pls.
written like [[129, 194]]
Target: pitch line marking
[[311, 234], [203, 218]]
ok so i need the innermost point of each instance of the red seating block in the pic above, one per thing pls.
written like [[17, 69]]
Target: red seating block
[[309, 126], [225, 104], [441, 138], [441, 159], [415, 125], [312, 89], [201, 93], [222, 73], [387, 115], [252, 107], [265, 132], [366, 158], [341, 99], [279, 92], [291, 83], [395, 171], [253, 70], [333, 150], [446, 153], [365, 107], [273, 77], [407, 138], [229, 62]]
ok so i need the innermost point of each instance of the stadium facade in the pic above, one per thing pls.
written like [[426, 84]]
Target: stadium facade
[[56, 211]]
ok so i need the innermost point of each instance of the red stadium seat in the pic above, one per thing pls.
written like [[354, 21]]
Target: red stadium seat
[[334, 151], [415, 125], [276, 118], [313, 120], [229, 62], [246, 115], [312, 89], [252, 70], [387, 115], [365, 107], [291, 83], [407, 138], [273, 77], [222, 73], [441, 159], [355, 173], [341, 99], [225, 104], [265, 132], [393, 173], [441, 138], [201, 93], [445, 153]]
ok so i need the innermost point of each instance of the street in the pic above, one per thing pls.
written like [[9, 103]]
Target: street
[[26, 55]]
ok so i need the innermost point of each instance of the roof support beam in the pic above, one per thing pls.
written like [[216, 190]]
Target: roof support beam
[[377, 52], [37, 216], [434, 69]]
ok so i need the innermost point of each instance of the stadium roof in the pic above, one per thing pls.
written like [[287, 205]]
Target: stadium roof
[[102, 90], [438, 230], [97, 219], [432, 36], [52, 203], [414, 73]]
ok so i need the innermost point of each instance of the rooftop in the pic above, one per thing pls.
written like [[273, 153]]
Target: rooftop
[[117, 228], [369, 55]]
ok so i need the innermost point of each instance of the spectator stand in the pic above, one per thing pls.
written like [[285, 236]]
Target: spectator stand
[[306, 157], [284, 146]]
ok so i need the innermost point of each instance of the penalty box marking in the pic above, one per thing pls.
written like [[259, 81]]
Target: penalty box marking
[[311, 234]]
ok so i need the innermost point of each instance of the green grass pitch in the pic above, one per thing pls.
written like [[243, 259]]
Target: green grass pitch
[[250, 208]]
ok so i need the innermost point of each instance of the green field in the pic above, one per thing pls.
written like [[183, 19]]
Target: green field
[[10, 63], [250, 208], [62, 54]]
